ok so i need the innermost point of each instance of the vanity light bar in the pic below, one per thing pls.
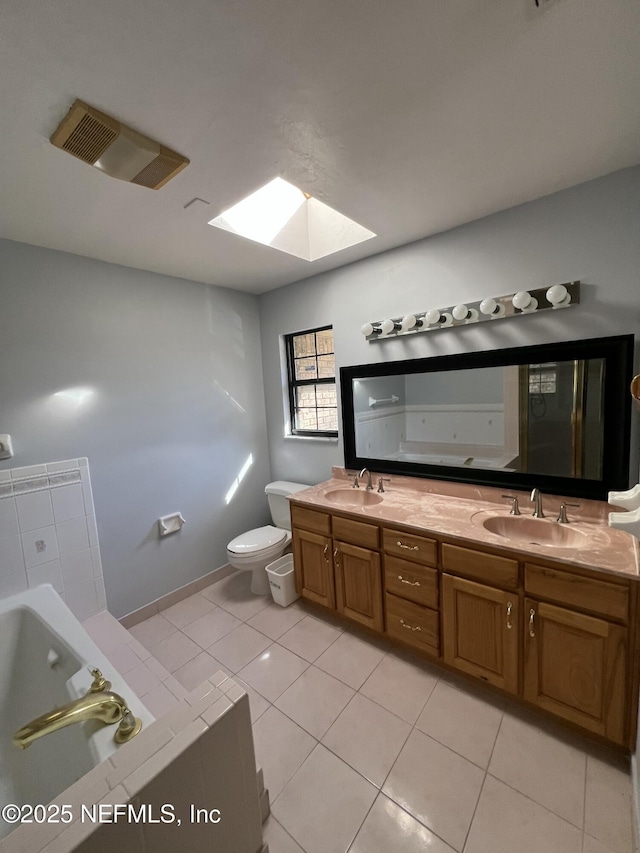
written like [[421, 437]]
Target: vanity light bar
[[492, 308]]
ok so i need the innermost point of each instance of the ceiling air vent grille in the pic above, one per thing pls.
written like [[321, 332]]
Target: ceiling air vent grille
[[89, 139], [116, 149], [159, 171]]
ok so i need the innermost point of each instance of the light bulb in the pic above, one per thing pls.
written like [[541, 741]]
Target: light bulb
[[492, 308], [558, 296], [370, 329], [433, 316], [460, 312], [521, 300], [389, 326], [408, 322]]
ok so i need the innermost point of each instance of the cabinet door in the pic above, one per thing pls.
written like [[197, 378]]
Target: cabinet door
[[575, 667], [314, 567], [480, 631], [358, 584]]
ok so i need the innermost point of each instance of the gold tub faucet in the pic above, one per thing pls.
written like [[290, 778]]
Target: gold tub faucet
[[107, 707]]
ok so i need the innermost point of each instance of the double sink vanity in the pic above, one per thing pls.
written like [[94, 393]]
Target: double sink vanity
[[546, 612]]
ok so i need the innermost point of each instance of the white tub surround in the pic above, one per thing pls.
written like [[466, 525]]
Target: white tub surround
[[48, 534], [44, 657]]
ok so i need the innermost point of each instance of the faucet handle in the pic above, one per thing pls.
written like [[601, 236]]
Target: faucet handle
[[515, 509], [355, 484], [562, 514], [99, 683], [381, 481]]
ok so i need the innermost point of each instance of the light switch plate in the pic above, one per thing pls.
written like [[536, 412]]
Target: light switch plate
[[6, 446]]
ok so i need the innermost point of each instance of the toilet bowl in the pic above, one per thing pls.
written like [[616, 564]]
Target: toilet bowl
[[254, 550]]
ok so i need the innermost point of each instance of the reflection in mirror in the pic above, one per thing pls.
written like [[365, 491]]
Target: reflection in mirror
[[541, 412]]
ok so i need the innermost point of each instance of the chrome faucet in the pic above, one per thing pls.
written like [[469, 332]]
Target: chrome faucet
[[369, 483], [536, 500], [105, 706]]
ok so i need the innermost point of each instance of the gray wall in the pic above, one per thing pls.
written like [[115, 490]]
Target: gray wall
[[178, 406], [589, 232]]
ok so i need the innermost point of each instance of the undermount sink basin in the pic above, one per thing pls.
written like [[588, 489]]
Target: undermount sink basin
[[352, 497], [535, 531]]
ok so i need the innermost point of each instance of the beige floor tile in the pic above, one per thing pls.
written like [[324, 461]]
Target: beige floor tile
[[175, 651], [123, 658], [324, 804], [281, 746], [591, 845], [608, 803], [462, 720], [508, 822], [390, 829], [257, 703], [537, 760], [188, 610], [141, 679], [352, 659], [437, 786], [309, 638], [160, 701], [272, 672], [152, 630], [315, 700], [274, 620], [233, 593], [197, 670], [211, 627], [367, 737], [401, 685], [237, 648], [278, 839]]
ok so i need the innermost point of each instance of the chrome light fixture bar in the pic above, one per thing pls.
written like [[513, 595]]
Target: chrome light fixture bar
[[519, 304]]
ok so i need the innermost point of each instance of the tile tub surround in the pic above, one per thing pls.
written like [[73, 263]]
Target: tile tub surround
[[449, 508], [361, 768], [176, 760], [48, 534]]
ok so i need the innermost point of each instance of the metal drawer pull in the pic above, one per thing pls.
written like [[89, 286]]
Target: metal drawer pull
[[335, 557], [409, 627], [407, 547], [532, 614], [509, 606], [326, 551], [411, 583]]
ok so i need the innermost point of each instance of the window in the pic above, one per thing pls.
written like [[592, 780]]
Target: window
[[312, 382]]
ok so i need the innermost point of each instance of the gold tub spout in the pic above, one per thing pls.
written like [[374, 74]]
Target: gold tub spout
[[108, 707]]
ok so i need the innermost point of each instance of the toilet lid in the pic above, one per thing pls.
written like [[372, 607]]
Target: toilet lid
[[257, 540]]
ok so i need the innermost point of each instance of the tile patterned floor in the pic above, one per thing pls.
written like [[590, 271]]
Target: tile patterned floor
[[368, 750]]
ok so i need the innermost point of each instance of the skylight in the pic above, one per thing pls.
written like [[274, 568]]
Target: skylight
[[283, 217]]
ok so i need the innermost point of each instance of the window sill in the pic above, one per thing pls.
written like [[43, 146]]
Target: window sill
[[318, 438]]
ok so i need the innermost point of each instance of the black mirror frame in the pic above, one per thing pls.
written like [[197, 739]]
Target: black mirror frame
[[617, 352]]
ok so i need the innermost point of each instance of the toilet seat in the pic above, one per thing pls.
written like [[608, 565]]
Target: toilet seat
[[257, 541]]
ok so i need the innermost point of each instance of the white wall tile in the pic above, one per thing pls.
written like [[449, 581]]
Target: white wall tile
[[101, 594], [28, 471], [8, 518], [39, 546], [76, 568], [92, 530], [65, 465], [82, 600], [46, 573], [97, 562], [68, 502], [72, 536], [88, 498], [11, 558], [34, 510], [12, 584], [5, 476]]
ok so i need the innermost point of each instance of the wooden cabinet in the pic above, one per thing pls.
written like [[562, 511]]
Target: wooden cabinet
[[480, 631], [414, 625], [313, 563], [358, 584], [575, 667]]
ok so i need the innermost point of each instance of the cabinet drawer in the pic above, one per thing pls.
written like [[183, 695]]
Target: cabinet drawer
[[584, 593], [409, 580], [356, 532], [309, 519], [498, 571], [410, 547], [413, 624]]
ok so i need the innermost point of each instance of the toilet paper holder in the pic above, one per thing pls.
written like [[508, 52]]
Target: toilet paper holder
[[171, 523]]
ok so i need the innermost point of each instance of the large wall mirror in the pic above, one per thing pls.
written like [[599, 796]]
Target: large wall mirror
[[556, 416]]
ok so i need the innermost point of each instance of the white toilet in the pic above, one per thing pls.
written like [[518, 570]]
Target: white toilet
[[254, 550]]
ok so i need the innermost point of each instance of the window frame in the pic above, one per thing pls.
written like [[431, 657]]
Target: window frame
[[293, 384]]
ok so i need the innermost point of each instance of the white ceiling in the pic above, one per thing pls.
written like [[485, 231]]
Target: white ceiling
[[410, 117]]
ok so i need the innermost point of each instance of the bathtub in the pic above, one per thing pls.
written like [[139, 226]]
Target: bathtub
[[45, 654]]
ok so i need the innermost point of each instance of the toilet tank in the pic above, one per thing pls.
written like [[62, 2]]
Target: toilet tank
[[278, 504]]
